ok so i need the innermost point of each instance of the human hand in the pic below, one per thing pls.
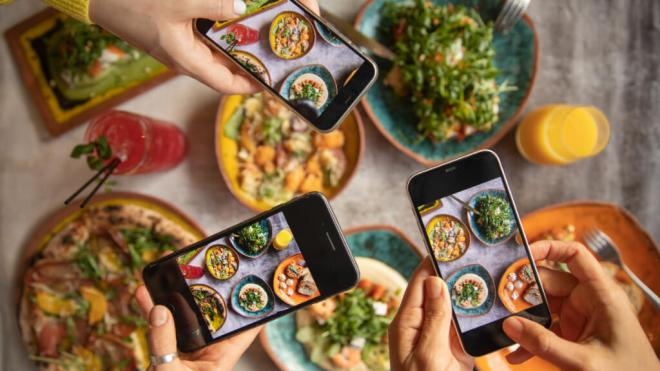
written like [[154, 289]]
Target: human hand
[[222, 355], [421, 336], [164, 29], [597, 328]]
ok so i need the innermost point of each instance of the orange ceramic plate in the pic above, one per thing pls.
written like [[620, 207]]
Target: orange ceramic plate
[[296, 298], [638, 251], [517, 305]]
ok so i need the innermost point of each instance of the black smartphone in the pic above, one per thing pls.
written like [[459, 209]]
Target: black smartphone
[[282, 260], [297, 56], [474, 234]]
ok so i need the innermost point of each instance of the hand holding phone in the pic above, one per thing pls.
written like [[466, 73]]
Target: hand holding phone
[[474, 234], [297, 56], [254, 272]]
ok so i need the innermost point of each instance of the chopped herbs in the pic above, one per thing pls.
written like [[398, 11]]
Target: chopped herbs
[[353, 318], [495, 217], [309, 91], [254, 237], [87, 263], [98, 152], [445, 64], [143, 242]]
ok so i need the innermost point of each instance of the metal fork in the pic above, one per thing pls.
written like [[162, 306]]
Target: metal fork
[[601, 244], [511, 12]]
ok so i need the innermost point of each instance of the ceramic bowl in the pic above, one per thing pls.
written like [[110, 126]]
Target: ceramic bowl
[[243, 250], [314, 69], [226, 151], [384, 243], [517, 55], [472, 219], [270, 305], [481, 272]]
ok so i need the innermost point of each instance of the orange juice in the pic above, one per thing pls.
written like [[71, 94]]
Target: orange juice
[[560, 134]]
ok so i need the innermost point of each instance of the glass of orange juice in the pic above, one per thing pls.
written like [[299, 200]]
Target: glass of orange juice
[[560, 134]]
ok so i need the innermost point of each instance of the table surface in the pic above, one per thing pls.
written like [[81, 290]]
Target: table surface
[[604, 53]]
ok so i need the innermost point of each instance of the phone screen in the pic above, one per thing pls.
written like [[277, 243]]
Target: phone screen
[[248, 274], [295, 55], [475, 238]]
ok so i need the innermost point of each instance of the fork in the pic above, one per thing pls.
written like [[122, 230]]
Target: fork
[[602, 245], [511, 12]]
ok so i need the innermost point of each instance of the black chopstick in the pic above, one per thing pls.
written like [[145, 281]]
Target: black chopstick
[[107, 169]]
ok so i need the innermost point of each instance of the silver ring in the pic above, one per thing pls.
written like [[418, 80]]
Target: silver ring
[[160, 360]]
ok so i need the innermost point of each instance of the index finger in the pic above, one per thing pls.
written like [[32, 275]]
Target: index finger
[[414, 295], [582, 264]]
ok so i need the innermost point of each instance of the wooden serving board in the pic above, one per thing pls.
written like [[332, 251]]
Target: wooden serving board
[[638, 251], [56, 117]]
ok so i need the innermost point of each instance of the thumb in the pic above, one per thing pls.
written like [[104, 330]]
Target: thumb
[[542, 342], [215, 9], [437, 316], [162, 336]]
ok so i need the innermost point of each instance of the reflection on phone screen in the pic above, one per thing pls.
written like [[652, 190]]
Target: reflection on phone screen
[[302, 60], [251, 273], [478, 249]]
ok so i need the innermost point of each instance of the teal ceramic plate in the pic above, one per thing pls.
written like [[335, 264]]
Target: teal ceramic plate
[[327, 35], [244, 250], [472, 219], [516, 57], [252, 279], [490, 299], [314, 69], [382, 243]]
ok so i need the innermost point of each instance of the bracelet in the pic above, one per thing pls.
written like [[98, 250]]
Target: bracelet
[[78, 9]]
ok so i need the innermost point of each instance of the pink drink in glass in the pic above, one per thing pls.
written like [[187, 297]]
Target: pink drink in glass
[[143, 144]]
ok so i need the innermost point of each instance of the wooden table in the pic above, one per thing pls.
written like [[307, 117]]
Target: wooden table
[[604, 53]]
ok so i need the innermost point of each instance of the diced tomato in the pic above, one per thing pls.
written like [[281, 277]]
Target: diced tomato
[[244, 35], [377, 292], [96, 69], [191, 271]]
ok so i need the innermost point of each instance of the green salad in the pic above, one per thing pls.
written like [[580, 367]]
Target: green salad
[[495, 217], [254, 237], [445, 64]]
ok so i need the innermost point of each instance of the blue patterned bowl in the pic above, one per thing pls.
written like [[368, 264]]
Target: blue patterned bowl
[[243, 250], [383, 243], [270, 305], [516, 56], [481, 272], [315, 69], [472, 218], [327, 35]]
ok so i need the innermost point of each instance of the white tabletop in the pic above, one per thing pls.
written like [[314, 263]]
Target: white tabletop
[[585, 58]]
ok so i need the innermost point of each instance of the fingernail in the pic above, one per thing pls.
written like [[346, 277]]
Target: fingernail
[[158, 316], [433, 287], [239, 7], [513, 327]]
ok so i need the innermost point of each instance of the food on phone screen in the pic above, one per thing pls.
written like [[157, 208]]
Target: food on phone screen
[[191, 271], [253, 64], [313, 83], [349, 330], [211, 305], [472, 290], [221, 262], [279, 156], [449, 238], [495, 222], [237, 34], [518, 289], [469, 291], [83, 281], [327, 35], [252, 297], [293, 282], [445, 64], [291, 35], [252, 240], [282, 239]]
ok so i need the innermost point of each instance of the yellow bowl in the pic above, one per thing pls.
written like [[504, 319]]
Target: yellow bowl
[[271, 36], [226, 151]]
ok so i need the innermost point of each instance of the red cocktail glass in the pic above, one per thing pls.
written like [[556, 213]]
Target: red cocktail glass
[[143, 144]]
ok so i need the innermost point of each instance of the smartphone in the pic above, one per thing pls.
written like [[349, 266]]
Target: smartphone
[[297, 56], [475, 237], [271, 265]]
